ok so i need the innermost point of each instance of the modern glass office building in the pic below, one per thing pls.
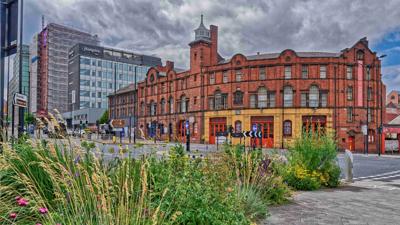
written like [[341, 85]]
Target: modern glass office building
[[96, 72]]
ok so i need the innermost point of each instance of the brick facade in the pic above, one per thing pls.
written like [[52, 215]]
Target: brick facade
[[216, 93]]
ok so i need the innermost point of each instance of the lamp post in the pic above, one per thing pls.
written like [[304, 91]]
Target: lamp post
[[380, 129]]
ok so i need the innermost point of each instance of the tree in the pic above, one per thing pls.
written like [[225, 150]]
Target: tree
[[29, 118], [104, 117]]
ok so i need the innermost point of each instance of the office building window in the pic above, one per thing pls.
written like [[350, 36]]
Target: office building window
[[324, 99], [238, 126]]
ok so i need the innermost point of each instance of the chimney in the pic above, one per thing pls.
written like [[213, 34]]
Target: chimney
[[214, 44], [169, 65]]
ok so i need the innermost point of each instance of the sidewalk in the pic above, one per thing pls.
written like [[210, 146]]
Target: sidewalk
[[363, 202]]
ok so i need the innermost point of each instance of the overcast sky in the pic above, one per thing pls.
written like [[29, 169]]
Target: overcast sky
[[165, 27]]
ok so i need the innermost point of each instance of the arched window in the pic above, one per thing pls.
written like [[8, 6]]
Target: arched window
[[220, 100], [142, 108], [288, 96], [287, 128], [360, 55], [238, 97], [262, 97], [153, 108], [238, 126], [314, 96], [171, 105], [183, 104], [162, 106]]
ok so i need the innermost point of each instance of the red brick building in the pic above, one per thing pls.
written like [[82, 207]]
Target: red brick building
[[278, 93]]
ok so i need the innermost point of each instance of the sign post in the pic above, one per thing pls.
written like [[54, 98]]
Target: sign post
[[187, 136], [21, 101]]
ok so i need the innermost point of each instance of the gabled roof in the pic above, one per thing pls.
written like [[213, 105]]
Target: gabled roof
[[391, 105]]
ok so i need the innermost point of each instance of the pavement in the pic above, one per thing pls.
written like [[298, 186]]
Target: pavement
[[372, 199]]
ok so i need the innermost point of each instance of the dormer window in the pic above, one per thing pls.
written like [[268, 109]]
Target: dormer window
[[360, 55]]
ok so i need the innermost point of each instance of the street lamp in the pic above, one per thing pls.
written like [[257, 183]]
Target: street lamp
[[380, 129]]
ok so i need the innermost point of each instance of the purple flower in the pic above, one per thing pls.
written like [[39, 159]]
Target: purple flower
[[43, 210], [77, 159], [13, 215], [22, 202]]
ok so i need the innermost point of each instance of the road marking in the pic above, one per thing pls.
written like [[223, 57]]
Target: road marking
[[378, 175], [382, 178]]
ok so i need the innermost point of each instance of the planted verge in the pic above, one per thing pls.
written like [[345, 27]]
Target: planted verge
[[312, 162], [43, 183]]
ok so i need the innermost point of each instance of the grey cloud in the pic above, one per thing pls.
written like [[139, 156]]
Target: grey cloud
[[166, 27]]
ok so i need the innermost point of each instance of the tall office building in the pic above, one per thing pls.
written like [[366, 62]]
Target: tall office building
[[96, 72], [14, 82], [54, 43]]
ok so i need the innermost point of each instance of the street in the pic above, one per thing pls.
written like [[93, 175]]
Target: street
[[371, 199]]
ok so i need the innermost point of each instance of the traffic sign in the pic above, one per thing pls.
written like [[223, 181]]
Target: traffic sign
[[20, 100], [187, 124], [117, 123], [254, 127], [256, 134]]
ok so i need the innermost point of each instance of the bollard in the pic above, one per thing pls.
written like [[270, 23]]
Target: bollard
[[348, 166]]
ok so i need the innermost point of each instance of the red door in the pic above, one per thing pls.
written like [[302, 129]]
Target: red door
[[216, 125], [181, 131], [265, 124], [351, 142]]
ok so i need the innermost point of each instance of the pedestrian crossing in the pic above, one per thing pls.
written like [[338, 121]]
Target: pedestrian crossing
[[388, 176]]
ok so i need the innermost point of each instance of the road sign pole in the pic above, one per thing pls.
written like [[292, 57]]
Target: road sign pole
[[187, 136], [12, 121]]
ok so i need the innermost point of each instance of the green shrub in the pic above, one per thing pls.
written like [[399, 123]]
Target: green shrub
[[312, 162]]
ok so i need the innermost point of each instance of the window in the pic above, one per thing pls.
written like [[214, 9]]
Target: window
[[239, 75], [220, 100], [314, 96], [225, 77], [369, 93], [195, 128], [194, 100], [153, 108], [263, 74], [287, 128], [142, 108], [271, 98], [288, 72], [287, 96], [368, 73], [350, 114], [304, 99], [370, 115], [349, 93], [262, 97], [212, 78], [323, 99], [322, 72], [171, 105], [371, 136], [238, 126], [349, 73], [360, 55], [211, 103], [171, 86], [162, 106], [184, 104], [163, 88], [304, 71], [238, 98], [253, 101]]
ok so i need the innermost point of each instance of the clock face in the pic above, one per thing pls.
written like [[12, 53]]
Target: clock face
[[152, 77]]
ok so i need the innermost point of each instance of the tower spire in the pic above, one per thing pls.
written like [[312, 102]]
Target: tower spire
[[201, 21]]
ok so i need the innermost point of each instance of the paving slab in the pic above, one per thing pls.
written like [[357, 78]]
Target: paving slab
[[364, 202]]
